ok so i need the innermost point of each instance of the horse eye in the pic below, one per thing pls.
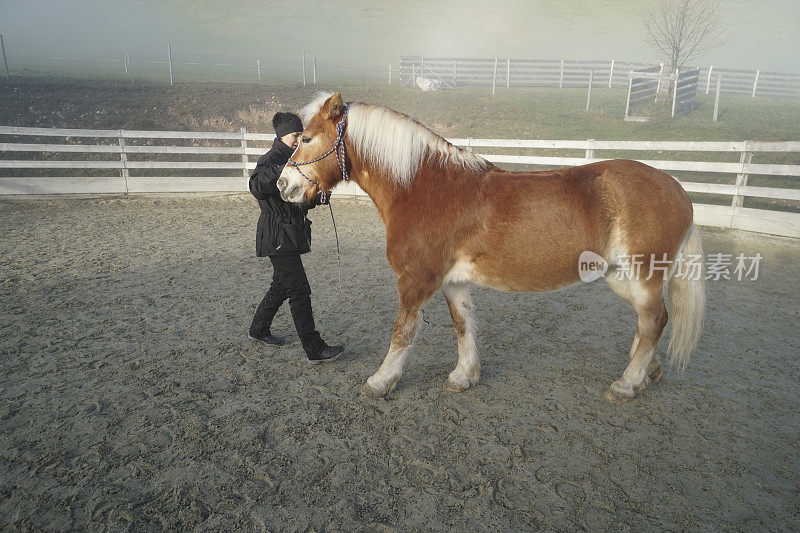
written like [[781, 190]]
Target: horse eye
[[306, 139]]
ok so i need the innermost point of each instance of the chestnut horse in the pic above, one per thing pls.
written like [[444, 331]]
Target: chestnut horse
[[453, 219]]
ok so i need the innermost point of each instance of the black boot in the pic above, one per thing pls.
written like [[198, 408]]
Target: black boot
[[329, 353], [265, 338]]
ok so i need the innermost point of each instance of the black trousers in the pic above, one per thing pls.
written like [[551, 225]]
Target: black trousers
[[289, 281]]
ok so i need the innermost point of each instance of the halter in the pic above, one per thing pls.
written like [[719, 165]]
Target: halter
[[338, 147]]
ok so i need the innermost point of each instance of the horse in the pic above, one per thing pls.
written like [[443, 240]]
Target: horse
[[453, 220]]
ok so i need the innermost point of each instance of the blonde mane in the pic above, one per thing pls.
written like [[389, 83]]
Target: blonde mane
[[394, 143]]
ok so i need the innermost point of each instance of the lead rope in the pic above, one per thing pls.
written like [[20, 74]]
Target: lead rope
[[338, 253], [335, 233], [421, 312], [339, 268], [338, 150]]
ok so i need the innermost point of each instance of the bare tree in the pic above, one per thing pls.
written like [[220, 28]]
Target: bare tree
[[681, 30]]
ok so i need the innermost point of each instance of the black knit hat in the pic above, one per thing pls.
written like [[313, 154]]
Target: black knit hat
[[286, 123]]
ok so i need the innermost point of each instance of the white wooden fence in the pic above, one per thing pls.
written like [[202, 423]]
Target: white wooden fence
[[115, 151], [572, 73]]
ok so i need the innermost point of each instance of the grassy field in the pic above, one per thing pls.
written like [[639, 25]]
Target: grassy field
[[537, 113], [517, 113]]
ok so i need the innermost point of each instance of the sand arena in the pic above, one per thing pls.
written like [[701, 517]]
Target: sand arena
[[130, 397]]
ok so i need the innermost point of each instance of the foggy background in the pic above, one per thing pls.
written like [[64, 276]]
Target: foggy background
[[360, 39]]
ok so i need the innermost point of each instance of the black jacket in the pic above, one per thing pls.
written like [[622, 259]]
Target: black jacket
[[283, 228]]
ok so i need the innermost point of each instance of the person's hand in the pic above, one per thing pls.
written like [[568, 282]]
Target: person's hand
[[320, 198]]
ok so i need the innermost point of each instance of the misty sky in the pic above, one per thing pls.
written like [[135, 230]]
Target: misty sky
[[762, 34]]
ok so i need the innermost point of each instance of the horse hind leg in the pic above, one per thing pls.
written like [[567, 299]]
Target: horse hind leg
[[621, 286], [468, 369], [647, 299], [654, 371]]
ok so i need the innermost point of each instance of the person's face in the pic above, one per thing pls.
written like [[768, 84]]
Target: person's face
[[292, 139]]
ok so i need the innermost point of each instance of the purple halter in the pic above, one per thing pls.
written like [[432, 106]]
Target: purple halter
[[338, 147]]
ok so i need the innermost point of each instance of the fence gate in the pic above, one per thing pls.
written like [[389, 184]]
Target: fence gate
[[421, 69], [683, 95], [643, 86]]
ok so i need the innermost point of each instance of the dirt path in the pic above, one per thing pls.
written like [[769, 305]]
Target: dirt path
[[130, 398]]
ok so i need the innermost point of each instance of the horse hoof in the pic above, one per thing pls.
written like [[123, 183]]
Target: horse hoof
[[373, 391], [614, 397], [619, 393], [452, 385]]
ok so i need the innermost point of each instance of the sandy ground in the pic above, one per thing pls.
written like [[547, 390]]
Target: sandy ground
[[131, 399]]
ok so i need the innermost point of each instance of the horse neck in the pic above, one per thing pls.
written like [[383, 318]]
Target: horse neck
[[383, 191], [433, 192]]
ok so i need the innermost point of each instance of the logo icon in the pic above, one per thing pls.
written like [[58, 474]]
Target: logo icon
[[591, 266]]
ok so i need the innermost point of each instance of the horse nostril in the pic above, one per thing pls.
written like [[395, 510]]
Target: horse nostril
[[281, 184]]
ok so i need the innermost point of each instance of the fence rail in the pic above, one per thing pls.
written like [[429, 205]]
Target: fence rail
[[570, 73], [516, 72], [752, 82], [734, 215]]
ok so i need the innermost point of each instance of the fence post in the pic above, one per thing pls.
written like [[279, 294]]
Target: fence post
[[561, 79], [390, 73], [5, 61], [245, 161], [508, 73], [130, 65], [169, 51], [658, 85], [494, 78], [675, 89], [413, 79], [303, 53], [315, 70], [590, 151], [708, 83], [455, 72], [628, 100], [741, 179], [716, 100], [611, 74], [123, 158], [755, 83], [589, 94], [258, 66]]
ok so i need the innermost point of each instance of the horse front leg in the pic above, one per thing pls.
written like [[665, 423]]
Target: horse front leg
[[413, 296], [468, 369], [405, 331]]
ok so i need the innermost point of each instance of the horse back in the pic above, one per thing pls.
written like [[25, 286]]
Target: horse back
[[537, 224]]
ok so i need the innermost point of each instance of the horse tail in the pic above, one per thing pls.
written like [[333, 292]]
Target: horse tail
[[687, 299]]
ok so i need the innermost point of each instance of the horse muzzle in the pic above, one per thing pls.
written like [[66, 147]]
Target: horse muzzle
[[289, 189]]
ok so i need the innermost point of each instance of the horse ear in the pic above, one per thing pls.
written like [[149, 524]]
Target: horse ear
[[335, 105]]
